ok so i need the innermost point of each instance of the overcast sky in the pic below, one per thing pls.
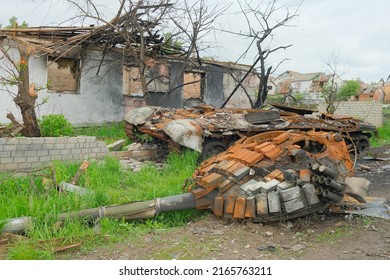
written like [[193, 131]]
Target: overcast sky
[[356, 30]]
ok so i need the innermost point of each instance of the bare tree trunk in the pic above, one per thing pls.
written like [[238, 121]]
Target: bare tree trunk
[[25, 99]]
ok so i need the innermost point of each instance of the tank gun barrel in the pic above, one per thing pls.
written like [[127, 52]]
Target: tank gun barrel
[[129, 211]]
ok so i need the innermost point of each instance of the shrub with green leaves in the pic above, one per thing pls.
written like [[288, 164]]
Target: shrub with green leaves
[[55, 126]]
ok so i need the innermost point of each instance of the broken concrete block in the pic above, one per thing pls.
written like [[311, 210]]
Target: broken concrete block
[[274, 205], [116, 146], [290, 194], [261, 204], [247, 187], [256, 188], [284, 186], [241, 173], [294, 205], [250, 208], [310, 193], [269, 186]]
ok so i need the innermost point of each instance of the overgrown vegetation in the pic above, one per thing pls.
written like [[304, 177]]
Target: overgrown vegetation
[[383, 136], [55, 125], [36, 196], [108, 133]]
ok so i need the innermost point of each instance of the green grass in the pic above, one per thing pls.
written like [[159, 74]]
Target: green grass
[[108, 133], [383, 136], [37, 197]]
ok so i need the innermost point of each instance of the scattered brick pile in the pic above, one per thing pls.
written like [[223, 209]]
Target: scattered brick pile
[[274, 175]]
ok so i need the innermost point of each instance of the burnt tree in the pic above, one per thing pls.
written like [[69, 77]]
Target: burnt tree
[[263, 20]]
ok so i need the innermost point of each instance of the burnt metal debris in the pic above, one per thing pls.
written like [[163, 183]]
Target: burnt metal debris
[[211, 131], [271, 176]]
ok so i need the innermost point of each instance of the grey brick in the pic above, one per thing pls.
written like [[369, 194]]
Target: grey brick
[[274, 205], [11, 166], [45, 158], [30, 153], [92, 145], [20, 159], [40, 140], [38, 164], [24, 165], [5, 154], [91, 139], [35, 147], [50, 140], [18, 153], [62, 140], [65, 151], [294, 205], [70, 146], [32, 159], [3, 141], [22, 147], [26, 141], [43, 153], [54, 152], [56, 157], [72, 140], [290, 194], [47, 146], [77, 151], [67, 157], [81, 139], [9, 147], [59, 146], [6, 160]]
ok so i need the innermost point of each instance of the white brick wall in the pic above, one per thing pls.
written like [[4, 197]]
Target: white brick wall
[[368, 111], [28, 153]]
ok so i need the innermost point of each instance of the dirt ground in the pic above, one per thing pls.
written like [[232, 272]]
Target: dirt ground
[[314, 237]]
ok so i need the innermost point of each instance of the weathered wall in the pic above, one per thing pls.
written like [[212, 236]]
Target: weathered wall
[[174, 98], [369, 111], [217, 86], [214, 86], [240, 99], [99, 99], [29, 153]]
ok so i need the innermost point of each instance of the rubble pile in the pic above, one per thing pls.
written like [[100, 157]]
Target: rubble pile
[[274, 175]]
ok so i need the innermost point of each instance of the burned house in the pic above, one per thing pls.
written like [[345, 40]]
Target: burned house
[[89, 75], [210, 82]]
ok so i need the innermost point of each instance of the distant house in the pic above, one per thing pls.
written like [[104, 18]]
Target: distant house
[[375, 91], [309, 84], [88, 82]]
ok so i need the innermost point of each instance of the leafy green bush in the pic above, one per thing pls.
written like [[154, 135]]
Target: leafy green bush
[[55, 126]]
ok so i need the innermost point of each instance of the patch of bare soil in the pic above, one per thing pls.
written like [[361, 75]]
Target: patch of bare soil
[[314, 237]]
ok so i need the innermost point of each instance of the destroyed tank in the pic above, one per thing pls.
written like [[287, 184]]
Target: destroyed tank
[[272, 176], [211, 131]]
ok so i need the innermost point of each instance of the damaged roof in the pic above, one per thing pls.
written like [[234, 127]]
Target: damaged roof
[[120, 33]]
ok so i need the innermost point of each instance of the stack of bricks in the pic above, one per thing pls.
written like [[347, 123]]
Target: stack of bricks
[[29, 153]]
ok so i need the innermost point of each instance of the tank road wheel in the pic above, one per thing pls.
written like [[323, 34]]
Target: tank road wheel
[[212, 148]]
